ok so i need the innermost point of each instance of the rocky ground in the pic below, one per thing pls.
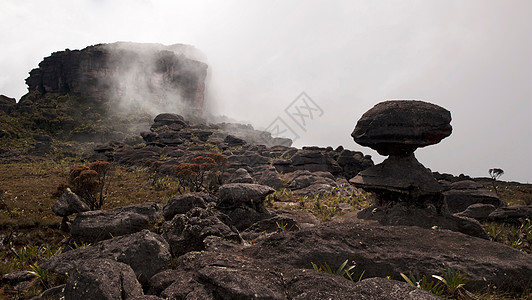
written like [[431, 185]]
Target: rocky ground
[[248, 240]]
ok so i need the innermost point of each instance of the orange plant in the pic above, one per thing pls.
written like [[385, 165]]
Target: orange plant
[[90, 183], [204, 173]]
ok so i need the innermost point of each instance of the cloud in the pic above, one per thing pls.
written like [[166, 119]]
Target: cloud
[[471, 57]]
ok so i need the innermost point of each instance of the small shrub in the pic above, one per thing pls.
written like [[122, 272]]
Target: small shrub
[[91, 182], [204, 173]]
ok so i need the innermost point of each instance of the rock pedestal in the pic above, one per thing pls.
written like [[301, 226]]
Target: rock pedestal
[[397, 128], [406, 191]]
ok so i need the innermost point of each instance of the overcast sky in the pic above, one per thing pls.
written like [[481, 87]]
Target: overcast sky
[[471, 57]]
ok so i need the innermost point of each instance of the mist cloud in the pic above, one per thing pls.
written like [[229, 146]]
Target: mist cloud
[[471, 57]]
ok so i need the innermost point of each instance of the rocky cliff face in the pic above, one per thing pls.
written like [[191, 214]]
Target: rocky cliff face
[[127, 73]]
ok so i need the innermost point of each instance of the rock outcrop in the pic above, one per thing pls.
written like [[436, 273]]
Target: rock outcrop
[[398, 128], [108, 70]]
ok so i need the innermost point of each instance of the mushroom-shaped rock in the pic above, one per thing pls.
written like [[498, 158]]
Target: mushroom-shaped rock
[[399, 127]]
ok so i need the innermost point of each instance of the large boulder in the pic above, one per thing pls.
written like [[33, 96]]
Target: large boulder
[[398, 126], [172, 121], [428, 218], [511, 214], [145, 252], [232, 275], [313, 160], [243, 194], [464, 193], [183, 203], [102, 279], [97, 225], [244, 203], [382, 251], [186, 232]]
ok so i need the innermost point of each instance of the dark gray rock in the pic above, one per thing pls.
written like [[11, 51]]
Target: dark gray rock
[[383, 289], [464, 193], [132, 156], [352, 162], [145, 252], [311, 191], [183, 203], [304, 178], [172, 121], [170, 138], [511, 213], [102, 279], [244, 194], [315, 160], [478, 211], [186, 233], [397, 127], [93, 226], [233, 141], [400, 178], [160, 281], [277, 223], [383, 251], [16, 277], [68, 204], [247, 159], [428, 218], [244, 203], [241, 176], [271, 178]]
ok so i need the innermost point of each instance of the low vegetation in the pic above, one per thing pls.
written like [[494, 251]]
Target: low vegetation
[[29, 231]]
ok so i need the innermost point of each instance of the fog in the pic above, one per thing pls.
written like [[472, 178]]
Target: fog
[[471, 57]]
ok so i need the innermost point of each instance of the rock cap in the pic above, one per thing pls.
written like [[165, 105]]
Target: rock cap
[[399, 127]]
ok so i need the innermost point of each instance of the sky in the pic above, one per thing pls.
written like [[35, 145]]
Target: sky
[[471, 57]]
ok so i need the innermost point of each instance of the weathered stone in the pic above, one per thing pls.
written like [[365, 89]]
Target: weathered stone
[[102, 279], [233, 141], [271, 178], [511, 213], [383, 251], [428, 218], [398, 127], [303, 178], [478, 211], [241, 176], [16, 277], [401, 178], [93, 226], [145, 252], [315, 160], [464, 193], [353, 162], [131, 156], [183, 203], [383, 289], [244, 194], [172, 121], [68, 204], [186, 233]]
